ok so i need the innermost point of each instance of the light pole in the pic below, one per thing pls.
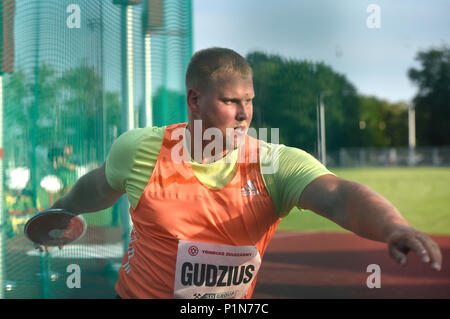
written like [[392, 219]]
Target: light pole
[[411, 134], [321, 140]]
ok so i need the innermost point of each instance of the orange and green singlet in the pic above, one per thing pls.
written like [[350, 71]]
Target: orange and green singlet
[[200, 230]]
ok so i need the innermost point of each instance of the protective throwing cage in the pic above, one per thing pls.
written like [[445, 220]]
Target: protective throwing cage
[[74, 75]]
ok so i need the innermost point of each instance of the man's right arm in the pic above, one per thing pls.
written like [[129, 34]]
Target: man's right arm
[[91, 193]]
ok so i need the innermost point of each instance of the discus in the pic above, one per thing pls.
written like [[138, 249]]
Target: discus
[[55, 227]]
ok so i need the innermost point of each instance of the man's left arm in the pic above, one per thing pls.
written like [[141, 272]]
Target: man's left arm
[[362, 211]]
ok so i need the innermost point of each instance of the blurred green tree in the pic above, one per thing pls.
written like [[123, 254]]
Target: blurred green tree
[[82, 108], [432, 102], [287, 93], [383, 123], [15, 114]]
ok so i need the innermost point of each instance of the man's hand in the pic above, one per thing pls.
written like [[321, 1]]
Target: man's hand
[[45, 248], [404, 239]]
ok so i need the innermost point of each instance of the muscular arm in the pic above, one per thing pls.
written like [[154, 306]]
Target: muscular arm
[[91, 193], [362, 211]]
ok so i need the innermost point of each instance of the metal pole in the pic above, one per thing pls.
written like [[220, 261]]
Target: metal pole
[[153, 22], [148, 80], [190, 48], [128, 101], [321, 128], [319, 155], [412, 126], [164, 104], [2, 212], [44, 257], [7, 13], [411, 133], [127, 68], [102, 73], [323, 150]]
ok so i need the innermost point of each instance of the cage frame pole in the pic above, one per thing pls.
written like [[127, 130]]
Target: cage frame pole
[[148, 109], [128, 121]]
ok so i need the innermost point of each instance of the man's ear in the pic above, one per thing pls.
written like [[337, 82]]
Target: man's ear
[[192, 98]]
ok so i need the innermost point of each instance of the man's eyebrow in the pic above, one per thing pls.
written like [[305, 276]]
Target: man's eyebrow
[[229, 98]]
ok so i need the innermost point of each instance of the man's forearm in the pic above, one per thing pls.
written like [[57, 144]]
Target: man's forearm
[[362, 211], [368, 214]]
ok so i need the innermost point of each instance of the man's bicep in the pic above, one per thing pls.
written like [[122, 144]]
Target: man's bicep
[[104, 189], [323, 196], [120, 159], [297, 169]]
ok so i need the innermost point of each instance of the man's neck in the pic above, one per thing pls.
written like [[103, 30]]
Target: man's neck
[[203, 151]]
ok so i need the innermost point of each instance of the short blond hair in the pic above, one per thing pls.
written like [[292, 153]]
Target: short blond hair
[[206, 64]]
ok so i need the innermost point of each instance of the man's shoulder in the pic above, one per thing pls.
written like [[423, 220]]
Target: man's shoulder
[[280, 159], [143, 132], [133, 138], [280, 149], [132, 142], [273, 151], [140, 143]]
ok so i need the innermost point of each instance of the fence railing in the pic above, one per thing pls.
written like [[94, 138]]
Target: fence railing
[[392, 156]]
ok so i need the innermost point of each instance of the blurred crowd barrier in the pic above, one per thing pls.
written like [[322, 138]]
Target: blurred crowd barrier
[[391, 156]]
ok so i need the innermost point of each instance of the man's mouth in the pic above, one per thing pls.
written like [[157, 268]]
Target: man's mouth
[[239, 130]]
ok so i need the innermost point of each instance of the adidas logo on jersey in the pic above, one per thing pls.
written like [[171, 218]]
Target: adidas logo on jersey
[[249, 189]]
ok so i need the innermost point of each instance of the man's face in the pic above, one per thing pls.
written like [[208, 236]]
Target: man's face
[[226, 103]]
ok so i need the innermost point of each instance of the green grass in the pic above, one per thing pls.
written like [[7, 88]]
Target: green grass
[[421, 194]]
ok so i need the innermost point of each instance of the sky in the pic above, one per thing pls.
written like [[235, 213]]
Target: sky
[[373, 46]]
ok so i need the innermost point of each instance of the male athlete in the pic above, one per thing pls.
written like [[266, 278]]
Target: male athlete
[[202, 206]]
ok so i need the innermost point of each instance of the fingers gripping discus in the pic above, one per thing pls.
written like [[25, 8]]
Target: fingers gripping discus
[[55, 227]]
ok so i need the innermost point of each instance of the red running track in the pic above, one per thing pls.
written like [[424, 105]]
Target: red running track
[[334, 265]]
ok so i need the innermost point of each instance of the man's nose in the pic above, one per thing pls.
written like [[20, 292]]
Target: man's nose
[[241, 114]]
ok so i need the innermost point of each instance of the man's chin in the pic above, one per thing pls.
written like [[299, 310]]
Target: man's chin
[[238, 141]]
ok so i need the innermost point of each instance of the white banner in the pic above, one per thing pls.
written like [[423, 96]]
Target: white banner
[[212, 271]]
